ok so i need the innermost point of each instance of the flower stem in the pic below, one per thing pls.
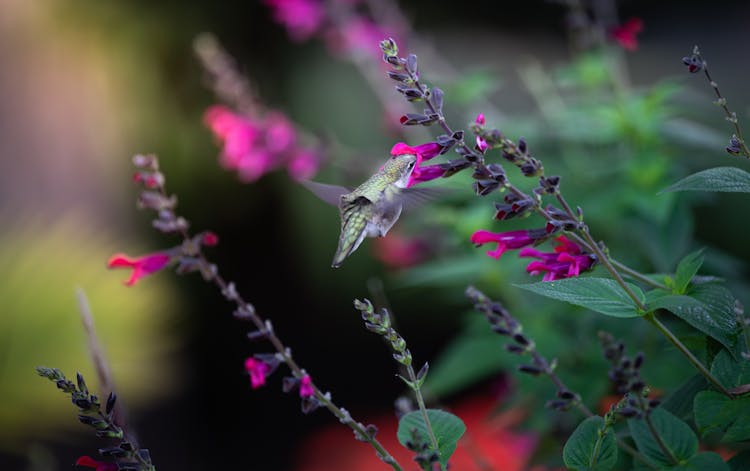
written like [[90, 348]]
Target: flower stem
[[420, 402]]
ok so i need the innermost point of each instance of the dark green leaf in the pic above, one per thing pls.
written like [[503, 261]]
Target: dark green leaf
[[709, 317], [680, 401], [704, 461], [676, 435], [598, 294], [686, 269], [724, 179], [730, 372], [716, 412], [591, 447], [447, 428], [740, 461]]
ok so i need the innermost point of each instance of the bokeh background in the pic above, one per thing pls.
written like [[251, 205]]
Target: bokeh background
[[86, 84]]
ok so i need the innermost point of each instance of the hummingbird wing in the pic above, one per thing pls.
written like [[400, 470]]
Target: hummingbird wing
[[355, 214], [411, 198], [331, 194]]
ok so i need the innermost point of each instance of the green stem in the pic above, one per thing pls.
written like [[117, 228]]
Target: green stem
[[420, 401], [664, 449], [651, 317]]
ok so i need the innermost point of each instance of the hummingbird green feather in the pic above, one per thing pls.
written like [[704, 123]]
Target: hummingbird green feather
[[371, 209]]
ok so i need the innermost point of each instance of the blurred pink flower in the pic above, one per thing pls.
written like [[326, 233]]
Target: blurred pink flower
[[258, 370], [305, 387], [141, 266], [398, 251], [303, 164], [280, 134], [90, 462], [301, 18], [625, 34], [357, 35], [480, 119], [423, 152]]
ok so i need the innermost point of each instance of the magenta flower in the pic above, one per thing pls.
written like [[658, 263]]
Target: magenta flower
[[90, 462], [625, 34], [141, 266], [480, 119], [280, 134], [423, 152], [481, 144], [301, 18], [504, 240], [258, 370], [303, 164], [210, 238], [305, 387], [567, 261]]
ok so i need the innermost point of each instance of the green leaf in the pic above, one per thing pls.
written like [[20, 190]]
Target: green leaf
[[705, 308], [730, 372], [591, 447], [598, 294], [704, 461], [686, 269], [676, 435], [716, 412], [724, 179], [680, 401], [447, 428]]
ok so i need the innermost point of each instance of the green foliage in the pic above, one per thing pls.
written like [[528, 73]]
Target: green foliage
[[718, 179], [447, 428], [702, 462], [592, 446], [686, 270], [715, 412], [602, 295], [730, 371], [675, 434], [680, 401]]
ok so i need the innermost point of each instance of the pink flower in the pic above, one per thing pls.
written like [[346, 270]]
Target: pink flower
[[481, 144], [423, 152], [398, 251], [305, 387], [141, 266], [301, 18], [505, 240], [357, 35], [480, 119], [210, 239], [625, 34], [90, 462], [567, 261], [303, 164], [280, 134], [258, 370], [240, 137]]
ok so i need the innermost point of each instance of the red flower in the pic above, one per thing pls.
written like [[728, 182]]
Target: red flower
[[258, 370], [488, 440], [423, 152], [141, 266], [90, 462], [305, 387], [210, 239], [625, 34], [505, 240]]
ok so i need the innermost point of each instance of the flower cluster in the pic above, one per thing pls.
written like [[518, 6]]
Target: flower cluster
[[344, 31], [566, 261], [255, 146]]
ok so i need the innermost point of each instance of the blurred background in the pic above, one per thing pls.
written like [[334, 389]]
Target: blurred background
[[86, 84]]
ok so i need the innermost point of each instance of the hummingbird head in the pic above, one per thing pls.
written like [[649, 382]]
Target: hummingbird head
[[399, 169]]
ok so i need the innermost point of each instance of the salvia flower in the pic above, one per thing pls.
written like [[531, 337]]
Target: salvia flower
[[141, 266], [89, 462], [625, 34], [258, 370], [423, 152], [301, 18], [397, 251], [305, 387], [504, 240], [255, 146], [567, 260]]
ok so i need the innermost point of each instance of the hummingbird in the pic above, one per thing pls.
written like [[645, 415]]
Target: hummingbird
[[371, 209]]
